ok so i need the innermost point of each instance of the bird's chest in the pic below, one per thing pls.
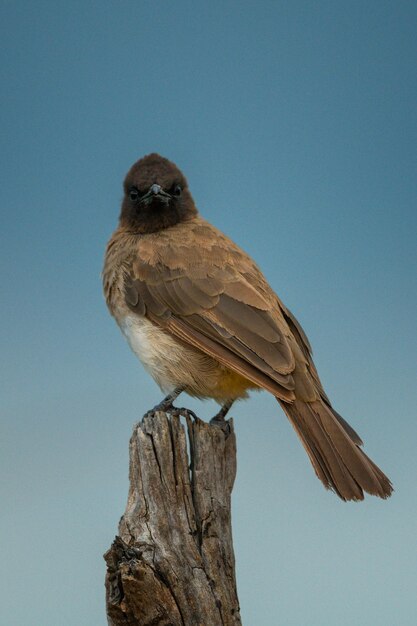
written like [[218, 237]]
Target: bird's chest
[[173, 364], [153, 346]]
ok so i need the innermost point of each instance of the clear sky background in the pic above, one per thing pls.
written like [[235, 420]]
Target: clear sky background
[[295, 123]]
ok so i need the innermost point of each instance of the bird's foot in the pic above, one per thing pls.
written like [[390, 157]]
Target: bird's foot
[[168, 407], [182, 412], [219, 417], [219, 421], [165, 407]]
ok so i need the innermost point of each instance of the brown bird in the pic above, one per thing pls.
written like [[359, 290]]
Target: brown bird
[[201, 317]]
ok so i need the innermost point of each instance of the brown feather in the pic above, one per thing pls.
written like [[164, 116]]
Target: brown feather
[[339, 463], [227, 358], [210, 330], [208, 303], [248, 330], [167, 298]]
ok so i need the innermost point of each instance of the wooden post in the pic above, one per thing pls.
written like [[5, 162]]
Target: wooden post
[[173, 562]]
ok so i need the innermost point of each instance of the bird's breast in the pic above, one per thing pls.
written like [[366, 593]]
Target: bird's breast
[[173, 363], [155, 348]]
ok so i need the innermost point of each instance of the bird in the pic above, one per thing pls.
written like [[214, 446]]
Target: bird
[[202, 318]]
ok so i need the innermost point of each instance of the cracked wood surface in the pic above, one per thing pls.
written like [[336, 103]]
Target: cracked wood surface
[[173, 562]]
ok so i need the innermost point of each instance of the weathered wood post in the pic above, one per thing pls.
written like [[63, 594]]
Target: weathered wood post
[[173, 562]]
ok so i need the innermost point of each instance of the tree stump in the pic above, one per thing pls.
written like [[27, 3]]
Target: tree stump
[[173, 562]]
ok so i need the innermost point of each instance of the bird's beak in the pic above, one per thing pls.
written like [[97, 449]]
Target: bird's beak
[[156, 191]]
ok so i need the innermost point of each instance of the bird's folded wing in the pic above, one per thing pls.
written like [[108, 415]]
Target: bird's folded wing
[[218, 310]]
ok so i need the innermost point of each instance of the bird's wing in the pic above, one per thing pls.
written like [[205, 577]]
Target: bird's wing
[[202, 288]]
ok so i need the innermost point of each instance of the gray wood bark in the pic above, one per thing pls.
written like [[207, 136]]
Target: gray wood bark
[[173, 562]]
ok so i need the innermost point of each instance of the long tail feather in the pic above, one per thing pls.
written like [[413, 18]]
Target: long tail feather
[[333, 448]]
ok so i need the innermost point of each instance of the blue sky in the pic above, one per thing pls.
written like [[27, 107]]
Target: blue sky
[[295, 123]]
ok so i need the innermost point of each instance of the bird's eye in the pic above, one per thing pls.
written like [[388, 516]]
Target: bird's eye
[[134, 194], [177, 191]]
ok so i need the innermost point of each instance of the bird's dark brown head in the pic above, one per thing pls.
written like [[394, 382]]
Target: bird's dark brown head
[[156, 196]]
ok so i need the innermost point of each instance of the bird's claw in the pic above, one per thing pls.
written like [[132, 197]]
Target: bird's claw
[[183, 412], [164, 407], [219, 421], [172, 410]]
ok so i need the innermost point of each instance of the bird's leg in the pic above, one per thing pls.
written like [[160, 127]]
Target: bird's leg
[[166, 404], [219, 417]]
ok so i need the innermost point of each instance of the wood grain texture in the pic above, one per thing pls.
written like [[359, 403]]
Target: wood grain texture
[[173, 562]]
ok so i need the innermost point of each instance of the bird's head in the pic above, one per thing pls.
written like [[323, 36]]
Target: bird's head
[[156, 195]]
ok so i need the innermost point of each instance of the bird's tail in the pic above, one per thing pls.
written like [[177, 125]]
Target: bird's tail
[[333, 448]]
